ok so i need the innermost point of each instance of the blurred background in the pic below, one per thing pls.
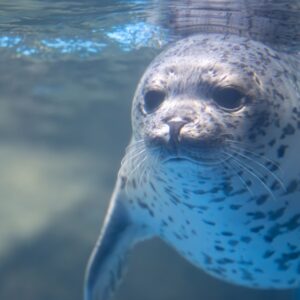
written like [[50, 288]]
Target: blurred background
[[68, 71]]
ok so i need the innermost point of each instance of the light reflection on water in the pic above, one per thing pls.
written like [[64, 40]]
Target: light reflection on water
[[53, 31], [128, 36], [68, 72]]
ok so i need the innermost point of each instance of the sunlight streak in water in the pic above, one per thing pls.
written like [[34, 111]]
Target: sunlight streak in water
[[9, 41], [138, 35], [128, 37], [74, 45]]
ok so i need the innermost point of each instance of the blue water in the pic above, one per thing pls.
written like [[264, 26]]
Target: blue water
[[68, 72]]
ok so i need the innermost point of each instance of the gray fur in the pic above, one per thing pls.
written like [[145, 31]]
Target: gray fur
[[220, 186]]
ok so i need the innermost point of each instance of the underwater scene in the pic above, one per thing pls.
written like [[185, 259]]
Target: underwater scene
[[69, 70]]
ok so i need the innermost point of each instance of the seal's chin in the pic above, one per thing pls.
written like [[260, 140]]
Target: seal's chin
[[208, 156]]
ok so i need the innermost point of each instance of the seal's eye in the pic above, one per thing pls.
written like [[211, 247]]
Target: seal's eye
[[153, 99], [229, 98]]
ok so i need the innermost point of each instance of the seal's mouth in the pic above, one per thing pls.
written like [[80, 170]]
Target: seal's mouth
[[195, 160], [202, 156], [204, 150]]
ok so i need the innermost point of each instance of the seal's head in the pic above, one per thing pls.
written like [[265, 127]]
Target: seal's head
[[203, 93]]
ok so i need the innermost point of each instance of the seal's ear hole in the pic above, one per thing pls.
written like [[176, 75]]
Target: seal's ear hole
[[229, 98], [153, 99]]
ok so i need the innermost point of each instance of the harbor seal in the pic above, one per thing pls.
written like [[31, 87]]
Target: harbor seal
[[212, 167]]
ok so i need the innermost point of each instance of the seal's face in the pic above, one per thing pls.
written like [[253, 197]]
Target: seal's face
[[191, 119], [195, 99]]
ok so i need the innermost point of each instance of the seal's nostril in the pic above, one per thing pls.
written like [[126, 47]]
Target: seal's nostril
[[175, 126]]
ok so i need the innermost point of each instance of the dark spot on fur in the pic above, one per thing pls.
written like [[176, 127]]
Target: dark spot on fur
[[227, 233], [262, 199], [123, 182], [287, 130], [170, 219], [272, 142], [245, 262], [235, 206], [207, 259], [194, 232], [246, 239], [217, 200], [292, 247], [219, 248], [199, 192], [246, 275], [177, 236], [292, 187], [291, 281], [257, 215], [209, 222], [274, 215], [285, 259], [279, 229], [258, 270], [233, 242], [145, 206], [152, 186], [281, 150], [257, 228], [268, 253], [225, 261], [164, 223]]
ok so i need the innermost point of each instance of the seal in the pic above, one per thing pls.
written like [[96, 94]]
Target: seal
[[212, 167]]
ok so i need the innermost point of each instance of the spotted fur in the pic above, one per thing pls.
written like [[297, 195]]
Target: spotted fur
[[228, 198]]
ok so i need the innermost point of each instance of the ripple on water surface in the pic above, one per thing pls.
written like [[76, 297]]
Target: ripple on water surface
[[77, 30]]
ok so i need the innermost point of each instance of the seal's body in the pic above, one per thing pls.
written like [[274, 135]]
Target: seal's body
[[212, 167]]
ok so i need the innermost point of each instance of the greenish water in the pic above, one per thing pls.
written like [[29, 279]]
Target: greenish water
[[65, 96]]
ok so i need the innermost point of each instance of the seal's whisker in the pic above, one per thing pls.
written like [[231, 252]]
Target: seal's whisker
[[222, 160], [260, 156], [153, 166], [218, 161], [131, 157], [134, 149], [134, 168], [153, 163], [135, 145], [239, 143], [139, 164], [133, 171], [144, 168], [136, 154], [147, 170], [134, 142], [263, 167], [252, 172], [231, 164]]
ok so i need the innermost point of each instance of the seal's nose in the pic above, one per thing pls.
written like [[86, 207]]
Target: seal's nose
[[175, 125]]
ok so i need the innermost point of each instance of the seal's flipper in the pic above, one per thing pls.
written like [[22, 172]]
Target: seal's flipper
[[117, 236]]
